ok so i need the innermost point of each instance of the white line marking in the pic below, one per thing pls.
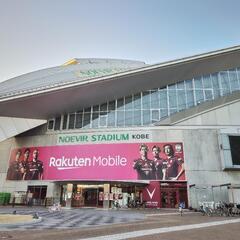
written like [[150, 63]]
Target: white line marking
[[166, 214], [146, 232]]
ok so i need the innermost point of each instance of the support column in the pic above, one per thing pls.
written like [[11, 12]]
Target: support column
[[106, 191], [69, 195]]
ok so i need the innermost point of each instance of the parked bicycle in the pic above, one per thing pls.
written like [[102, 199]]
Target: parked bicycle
[[206, 208], [219, 209], [115, 204], [136, 204], [56, 207]]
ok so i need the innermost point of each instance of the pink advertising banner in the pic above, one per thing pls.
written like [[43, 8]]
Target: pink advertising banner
[[125, 161]]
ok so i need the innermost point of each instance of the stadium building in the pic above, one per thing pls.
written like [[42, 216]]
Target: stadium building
[[95, 131]]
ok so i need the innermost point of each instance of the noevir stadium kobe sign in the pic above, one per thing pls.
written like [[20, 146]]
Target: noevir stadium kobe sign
[[76, 138]]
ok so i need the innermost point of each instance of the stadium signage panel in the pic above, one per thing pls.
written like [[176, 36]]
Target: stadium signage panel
[[66, 139], [118, 161], [98, 72]]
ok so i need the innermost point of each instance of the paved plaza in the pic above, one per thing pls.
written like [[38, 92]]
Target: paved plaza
[[70, 218], [99, 224]]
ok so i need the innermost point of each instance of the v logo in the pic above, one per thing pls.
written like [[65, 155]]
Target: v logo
[[151, 193]]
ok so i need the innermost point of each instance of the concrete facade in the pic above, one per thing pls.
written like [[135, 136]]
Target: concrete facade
[[202, 125], [202, 154]]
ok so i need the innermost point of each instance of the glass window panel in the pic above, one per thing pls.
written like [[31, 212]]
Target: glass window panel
[[146, 117], [208, 94], [95, 120], [172, 97], [103, 107], [198, 83], [172, 87], [71, 121], [190, 98], [173, 110], [137, 118], [111, 119], [233, 80], [137, 101], [238, 73], [155, 100], [163, 113], [155, 115], [216, 86], [181, 99], [189, 84], [95, 115], [86, 119], [103, 113], [65, 118], [180, 85], [128, 103], [146, 100], [163, 98], [111, 106], [199, 96], [87, 109], [120, 118], [103, 121], [120, 104], [57, 123], [78, 123], [224, 82], [96, 108], [50, 124], [128, 118], [207, 83]]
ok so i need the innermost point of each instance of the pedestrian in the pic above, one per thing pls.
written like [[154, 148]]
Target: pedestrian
[[181, 207]]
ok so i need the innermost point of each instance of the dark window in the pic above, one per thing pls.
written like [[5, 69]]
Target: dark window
[[57, 123], [65, 117], [103, 107], [235, 149], [86, 119], [87, 109], [71, 121], [96, 108], [111, 106], [120, 104], [50, 124], [78, 123], [128, 103]]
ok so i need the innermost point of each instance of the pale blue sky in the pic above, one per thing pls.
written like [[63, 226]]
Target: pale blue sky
[[45, 33]]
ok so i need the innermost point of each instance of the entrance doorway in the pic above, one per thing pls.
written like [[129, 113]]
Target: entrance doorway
[[90, 196], [172, 194], [168, 198], [100, 195], [38, 194], [82, 195]]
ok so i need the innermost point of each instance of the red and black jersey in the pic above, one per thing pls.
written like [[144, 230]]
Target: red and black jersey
[[145, 169]]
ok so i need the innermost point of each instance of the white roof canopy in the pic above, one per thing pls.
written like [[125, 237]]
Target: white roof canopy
[[73, 96]]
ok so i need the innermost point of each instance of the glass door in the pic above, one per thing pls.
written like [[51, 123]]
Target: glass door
[[169, 198]]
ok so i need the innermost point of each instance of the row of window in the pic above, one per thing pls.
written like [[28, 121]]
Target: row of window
[[151, 106]]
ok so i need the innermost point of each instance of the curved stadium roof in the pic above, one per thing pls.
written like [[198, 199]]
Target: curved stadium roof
[[75, 70], [81, 83]]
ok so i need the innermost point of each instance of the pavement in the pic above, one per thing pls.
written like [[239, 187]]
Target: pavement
[[99, 224], [69, 218]]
